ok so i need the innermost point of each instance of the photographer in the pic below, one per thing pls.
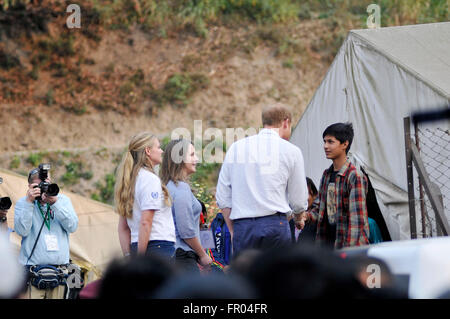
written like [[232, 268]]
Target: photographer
[[44, 218]]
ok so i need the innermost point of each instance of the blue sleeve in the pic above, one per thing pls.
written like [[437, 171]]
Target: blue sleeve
[[65, 214], [23, 217], [183, 212]]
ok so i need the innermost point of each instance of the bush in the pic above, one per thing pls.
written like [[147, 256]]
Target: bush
[[49, 99], [15, 162], [195, 15], [74, 171], [177, 89], [8, 61], [63, 46], [35, 159], [106, 190], [180, 86]]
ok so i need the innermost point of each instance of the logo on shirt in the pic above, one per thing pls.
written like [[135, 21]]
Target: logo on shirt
[[155, 195]]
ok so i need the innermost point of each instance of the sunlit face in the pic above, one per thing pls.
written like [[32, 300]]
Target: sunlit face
[[191, 160], [333, 147], [155, 153]]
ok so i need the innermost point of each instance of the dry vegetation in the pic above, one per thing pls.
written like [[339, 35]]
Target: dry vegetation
[[74, 96]]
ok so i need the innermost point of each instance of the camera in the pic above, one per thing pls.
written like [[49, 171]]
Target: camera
[[47, 188], [5, 202]]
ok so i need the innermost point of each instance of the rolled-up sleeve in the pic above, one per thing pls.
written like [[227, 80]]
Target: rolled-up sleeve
[[297, 187], [65, 214], [184, 213], [223, 189]]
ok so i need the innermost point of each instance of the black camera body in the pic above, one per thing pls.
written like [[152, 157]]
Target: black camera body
[[50, 189], [5, 202]]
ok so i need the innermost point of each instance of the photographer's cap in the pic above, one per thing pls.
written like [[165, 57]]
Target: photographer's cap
[[34, 171]]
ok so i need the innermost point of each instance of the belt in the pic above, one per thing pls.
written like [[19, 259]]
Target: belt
[[259, 217], [63, 266]]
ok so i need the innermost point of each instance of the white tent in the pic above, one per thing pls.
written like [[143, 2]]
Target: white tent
[[93, 245], [378, 77]]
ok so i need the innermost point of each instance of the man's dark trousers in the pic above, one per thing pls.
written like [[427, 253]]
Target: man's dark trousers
[[260, 232]]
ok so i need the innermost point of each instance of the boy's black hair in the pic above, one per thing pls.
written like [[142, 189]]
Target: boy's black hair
[[342, 132]]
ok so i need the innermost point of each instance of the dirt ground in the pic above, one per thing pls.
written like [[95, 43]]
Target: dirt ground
[[240, 85]]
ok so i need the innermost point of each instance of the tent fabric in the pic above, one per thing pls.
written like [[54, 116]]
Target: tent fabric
[[378, 77], [93, 245]]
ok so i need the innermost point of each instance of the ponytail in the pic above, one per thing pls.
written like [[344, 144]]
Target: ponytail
[[124, 188]]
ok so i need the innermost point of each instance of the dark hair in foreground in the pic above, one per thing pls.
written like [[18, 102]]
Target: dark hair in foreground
[[342, 132], [136, 277], [308, 272], [211, 286], [303, 272]]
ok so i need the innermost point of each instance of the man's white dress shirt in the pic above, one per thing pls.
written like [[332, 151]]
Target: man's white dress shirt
[[261, 175]]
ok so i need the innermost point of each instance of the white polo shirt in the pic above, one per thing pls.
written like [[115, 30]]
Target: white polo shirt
[[261, 175], [148, 195]]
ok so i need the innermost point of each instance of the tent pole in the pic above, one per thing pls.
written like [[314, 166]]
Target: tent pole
[[410, 177]]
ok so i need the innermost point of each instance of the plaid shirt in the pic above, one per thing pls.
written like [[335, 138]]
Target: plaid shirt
[[352, 226]]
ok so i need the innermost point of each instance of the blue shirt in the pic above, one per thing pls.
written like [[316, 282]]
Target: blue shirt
[[375, 233], [186, 211], [27, 222]]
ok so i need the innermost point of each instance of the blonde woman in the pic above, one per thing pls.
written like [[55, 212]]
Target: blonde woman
[[178, 164], [145, 224]]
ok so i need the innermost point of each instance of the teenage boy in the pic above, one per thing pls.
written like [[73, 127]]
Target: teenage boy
[[340, 210]]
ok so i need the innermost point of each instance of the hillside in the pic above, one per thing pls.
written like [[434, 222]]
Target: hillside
[[75, 96]]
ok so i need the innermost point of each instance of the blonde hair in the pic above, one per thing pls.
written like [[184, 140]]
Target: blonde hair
[[133, 160], [173, 161]]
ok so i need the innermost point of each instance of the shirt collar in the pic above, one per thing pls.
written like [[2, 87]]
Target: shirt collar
[[268, 131], [343, 170]]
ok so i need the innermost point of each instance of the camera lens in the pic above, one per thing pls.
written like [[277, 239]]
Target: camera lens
[[5, 203], [52, 190]]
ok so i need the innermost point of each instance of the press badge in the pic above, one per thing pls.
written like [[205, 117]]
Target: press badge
[[52, 243]]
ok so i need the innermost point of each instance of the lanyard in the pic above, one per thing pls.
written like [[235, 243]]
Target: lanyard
[[47, 216]]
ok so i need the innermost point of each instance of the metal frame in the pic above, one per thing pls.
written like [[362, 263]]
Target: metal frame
[[410, 177], [432, 191]]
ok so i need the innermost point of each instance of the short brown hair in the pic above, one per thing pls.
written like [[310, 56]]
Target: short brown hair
[[275, 114]]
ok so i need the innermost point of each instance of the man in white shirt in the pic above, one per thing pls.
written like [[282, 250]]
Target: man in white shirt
[[262, 180]]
